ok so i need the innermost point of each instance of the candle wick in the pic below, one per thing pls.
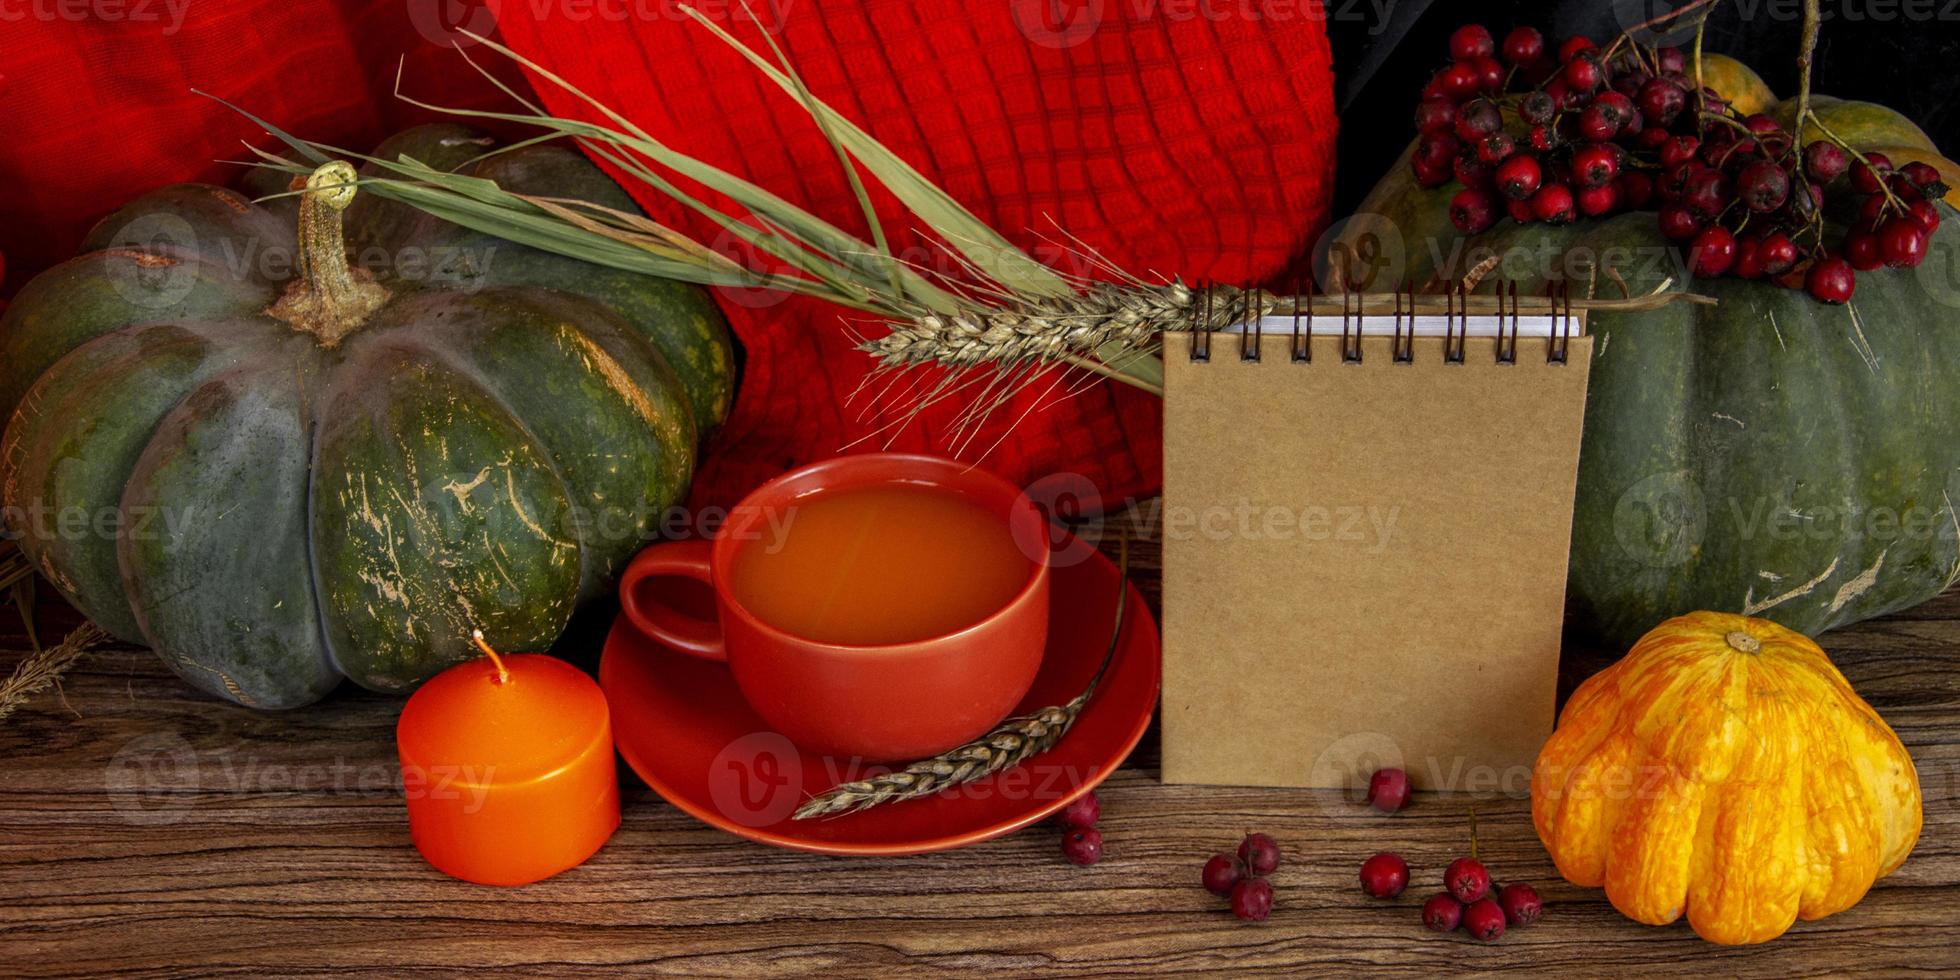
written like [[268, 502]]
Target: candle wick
[[503, 674]]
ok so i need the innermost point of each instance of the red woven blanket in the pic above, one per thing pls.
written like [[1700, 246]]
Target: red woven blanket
[[1177, 138]]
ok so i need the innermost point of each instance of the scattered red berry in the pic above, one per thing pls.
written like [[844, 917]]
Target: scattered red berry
[[1471, 41], [1636, 189], [1442, 912], [1866, 179], [1552, 204], [1748, 258], [1388, 790], [1707, 191], [1921, 174], [1778, 253], [1572, 46], [1477, 119], [1583, 74], [1711, 252], [1679, 149], [1661, 101], [1484, 919], [1435, 116], [1831, 280], [1595, 201], [1384, 875], [1473, 211], [1902, 243], [1595, 166], [1221, 873], [1082, 812], [1824, 161], [1474, 174], [1763, 185], [1679, 222], [1082, 846], [1520, 904], [1260, 853], [1460, 80], [1524, 46], [1252, 899], [1466, 879], [1861, 251], [1517, 179], [1924, 212], [1496, 148]]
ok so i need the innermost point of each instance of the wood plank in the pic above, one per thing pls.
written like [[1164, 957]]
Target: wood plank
[[149, 829]]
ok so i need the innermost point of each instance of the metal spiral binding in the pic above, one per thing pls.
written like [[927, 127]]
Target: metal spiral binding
[[1404, 348], [1507, 353], [1201, 325], [1559, 341], [1456, 323], [1251, 342], [1350, 351], [1302, 352]]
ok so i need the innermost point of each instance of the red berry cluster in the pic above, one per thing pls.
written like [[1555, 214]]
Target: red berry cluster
[[1551, 135], [1081, 841], [1243, 878], [1469, 898]]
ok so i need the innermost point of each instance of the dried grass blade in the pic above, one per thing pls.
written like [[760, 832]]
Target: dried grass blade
[[986, 248]]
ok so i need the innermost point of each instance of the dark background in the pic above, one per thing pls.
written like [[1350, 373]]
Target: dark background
[[1902, 53]]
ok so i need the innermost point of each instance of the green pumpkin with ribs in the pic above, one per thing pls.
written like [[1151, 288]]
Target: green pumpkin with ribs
[[330, 436]]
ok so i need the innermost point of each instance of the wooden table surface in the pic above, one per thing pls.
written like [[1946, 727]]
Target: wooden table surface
[[147, 828]]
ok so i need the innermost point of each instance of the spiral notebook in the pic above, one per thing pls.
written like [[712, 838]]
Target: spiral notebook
[[1366, 523]]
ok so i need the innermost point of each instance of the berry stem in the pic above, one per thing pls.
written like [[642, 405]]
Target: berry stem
[[1805, 53], [1473, 834], [1668, 17], [1701, 29], [1884, 187]]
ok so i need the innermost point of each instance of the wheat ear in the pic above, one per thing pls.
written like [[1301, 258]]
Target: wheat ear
[[42, 669]]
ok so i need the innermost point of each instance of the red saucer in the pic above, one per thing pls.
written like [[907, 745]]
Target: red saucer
[[680, 722]]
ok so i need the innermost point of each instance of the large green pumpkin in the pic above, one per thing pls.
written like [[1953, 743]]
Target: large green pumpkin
[[279, 469], [1769, 455]]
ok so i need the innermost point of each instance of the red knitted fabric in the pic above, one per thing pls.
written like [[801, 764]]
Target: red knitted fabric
[[1191, 139]]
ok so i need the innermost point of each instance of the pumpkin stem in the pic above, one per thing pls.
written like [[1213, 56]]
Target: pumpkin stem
[[1744, 642], [328, 299]]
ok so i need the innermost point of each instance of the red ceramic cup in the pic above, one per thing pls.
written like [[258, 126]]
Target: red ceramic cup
[[900, 701]]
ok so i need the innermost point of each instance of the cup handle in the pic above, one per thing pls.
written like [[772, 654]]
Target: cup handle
[[688, 634]]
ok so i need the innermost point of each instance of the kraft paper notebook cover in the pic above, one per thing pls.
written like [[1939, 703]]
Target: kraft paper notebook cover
[[1365, 549]]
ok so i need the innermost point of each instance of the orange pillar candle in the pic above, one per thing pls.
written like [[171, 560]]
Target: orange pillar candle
[[507, 764]]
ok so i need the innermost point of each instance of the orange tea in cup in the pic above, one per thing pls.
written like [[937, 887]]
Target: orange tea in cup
[[878, 606], [881, 564]]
